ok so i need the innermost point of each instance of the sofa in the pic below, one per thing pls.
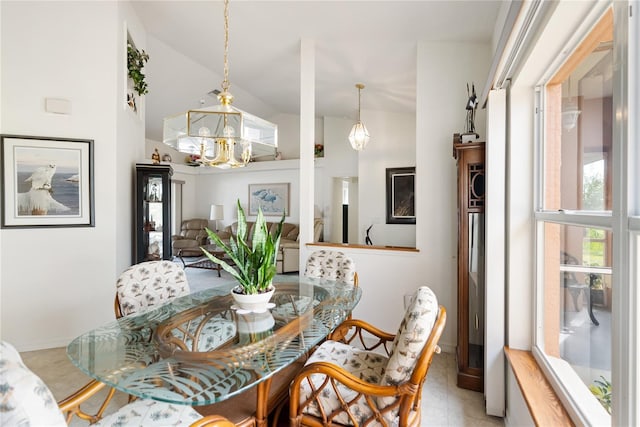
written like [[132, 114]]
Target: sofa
[[287, 260], [192, 235]]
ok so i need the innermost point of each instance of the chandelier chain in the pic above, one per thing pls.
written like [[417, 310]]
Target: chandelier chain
[[359, 89], [225, 82]]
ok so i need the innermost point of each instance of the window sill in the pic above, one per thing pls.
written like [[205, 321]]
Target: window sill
[[545, 407]]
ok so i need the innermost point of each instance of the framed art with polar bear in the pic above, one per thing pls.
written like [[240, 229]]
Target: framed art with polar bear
[[46, 182]]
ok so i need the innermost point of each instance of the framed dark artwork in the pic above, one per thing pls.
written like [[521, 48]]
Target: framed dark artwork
[[401, 207], [46, 182]]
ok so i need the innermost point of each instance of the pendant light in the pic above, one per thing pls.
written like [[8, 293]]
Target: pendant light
[[219, 129], [359, 135]]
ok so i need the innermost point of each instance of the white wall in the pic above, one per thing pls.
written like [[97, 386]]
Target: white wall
[[392, 145], [59, 282], [443, 71], [289, 133], [340, 161], [130, 129]]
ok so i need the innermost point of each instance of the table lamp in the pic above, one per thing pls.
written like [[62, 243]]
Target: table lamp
[[217, 212]]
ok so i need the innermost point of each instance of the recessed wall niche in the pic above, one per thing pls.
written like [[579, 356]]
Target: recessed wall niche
[[135, 79]]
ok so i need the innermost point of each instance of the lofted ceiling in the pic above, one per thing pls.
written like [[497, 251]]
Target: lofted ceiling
[[373, 42]]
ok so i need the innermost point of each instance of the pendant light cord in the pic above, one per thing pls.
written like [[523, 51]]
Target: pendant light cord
[[359, 89], [359, 86]]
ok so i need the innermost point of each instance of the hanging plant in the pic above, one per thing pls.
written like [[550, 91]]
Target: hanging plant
[[135, 63]]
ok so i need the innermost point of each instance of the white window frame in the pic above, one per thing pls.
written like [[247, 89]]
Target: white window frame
[[624, 221]]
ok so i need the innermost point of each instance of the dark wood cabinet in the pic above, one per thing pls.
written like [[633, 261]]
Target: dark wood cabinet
[[470, 158], [152, 223]]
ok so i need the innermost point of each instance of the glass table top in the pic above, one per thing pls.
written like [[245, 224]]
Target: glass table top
[[197, 350]]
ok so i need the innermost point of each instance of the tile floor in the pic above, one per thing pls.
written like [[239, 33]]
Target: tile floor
[[443, 404]]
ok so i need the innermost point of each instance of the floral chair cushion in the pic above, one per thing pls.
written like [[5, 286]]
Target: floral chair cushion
[[24, 399], [410, 340], [150, 284], [331, 265], [365, 365], [151, 413]]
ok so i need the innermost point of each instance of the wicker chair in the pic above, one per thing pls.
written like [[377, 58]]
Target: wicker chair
[[149, 284], [28, 401], [163, 281], [325, 264], [342, 384]]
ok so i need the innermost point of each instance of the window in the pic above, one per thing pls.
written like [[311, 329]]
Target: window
[[586, 237]]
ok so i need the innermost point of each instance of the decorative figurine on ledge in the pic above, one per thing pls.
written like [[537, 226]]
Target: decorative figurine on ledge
[[155, 157], [367, 239], [470, 126]]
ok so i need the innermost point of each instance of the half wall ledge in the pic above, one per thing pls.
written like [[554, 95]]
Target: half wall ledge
[[355, 246]]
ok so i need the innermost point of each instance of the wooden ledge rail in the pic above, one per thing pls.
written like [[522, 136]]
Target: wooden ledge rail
[[543, 403], [354, 246]]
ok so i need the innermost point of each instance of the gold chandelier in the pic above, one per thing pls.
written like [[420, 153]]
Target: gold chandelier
[[215, 134], [359, 135]]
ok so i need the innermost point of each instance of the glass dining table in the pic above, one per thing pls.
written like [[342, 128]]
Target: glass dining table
[[199, 349]]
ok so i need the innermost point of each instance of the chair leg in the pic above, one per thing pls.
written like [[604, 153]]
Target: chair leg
[[277, 411]]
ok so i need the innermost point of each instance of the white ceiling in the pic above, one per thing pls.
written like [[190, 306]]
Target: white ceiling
[[373, 42]]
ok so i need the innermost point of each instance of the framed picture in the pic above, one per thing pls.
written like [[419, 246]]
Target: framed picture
[[273, 199], [401, 207], [46, 182]]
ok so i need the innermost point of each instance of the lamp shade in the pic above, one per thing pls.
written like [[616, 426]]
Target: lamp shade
[[217, 212]]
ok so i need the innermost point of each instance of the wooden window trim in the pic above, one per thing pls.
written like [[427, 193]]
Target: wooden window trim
[[602, 32], [545, 407]]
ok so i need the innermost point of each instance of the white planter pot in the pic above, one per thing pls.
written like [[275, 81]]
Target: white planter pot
[[255, 303]]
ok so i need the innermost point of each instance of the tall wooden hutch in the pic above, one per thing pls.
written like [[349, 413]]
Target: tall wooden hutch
[[470, 157]]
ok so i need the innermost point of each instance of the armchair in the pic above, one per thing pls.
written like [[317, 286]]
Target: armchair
[[349, 385], [289, 252], [192, 235]]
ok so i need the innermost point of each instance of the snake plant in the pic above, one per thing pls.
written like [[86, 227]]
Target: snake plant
[[253, 266]]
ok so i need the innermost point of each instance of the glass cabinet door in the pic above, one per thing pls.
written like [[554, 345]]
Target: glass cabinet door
[[153, 210], [475, 289], [471, 263]]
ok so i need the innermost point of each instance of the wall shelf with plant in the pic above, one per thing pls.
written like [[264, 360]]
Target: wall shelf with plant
[[136, 83]]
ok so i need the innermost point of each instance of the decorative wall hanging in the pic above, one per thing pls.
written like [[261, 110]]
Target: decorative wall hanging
[[400, 195], [272, 198], [46, 182]]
